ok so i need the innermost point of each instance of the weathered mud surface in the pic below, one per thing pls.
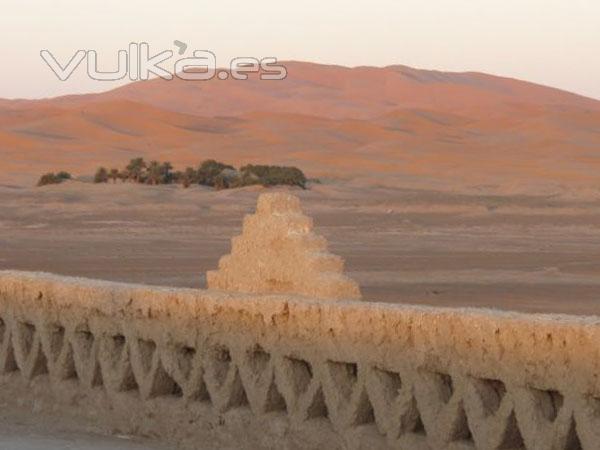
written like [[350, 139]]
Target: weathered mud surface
[[208, 369], [278, 252]]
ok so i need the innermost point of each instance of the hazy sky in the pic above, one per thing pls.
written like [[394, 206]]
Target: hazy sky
[[553, 42]]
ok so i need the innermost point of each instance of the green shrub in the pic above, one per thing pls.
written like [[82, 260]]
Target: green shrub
[[272, 176], [101, 175], [62, 175], [52, 178], [209, 170], [186, 178]]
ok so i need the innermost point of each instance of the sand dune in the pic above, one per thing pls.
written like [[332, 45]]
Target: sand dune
[[340, 92], [394, 126]]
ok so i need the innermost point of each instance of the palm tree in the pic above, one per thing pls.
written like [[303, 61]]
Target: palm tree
[[101, 175], [124, 175], [114, 174], [135, 168], [189, 176], [166, 173], [154, 173]]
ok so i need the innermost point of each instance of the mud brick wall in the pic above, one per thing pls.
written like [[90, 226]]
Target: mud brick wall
[[278, 252], [209, 369]]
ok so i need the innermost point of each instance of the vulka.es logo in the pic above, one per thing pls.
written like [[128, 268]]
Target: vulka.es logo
[[137, 64]]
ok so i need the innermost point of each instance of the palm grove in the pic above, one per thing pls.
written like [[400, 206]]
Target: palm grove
[[209, 173]]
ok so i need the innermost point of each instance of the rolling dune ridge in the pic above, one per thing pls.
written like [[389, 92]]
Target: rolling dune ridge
[[394, 126]]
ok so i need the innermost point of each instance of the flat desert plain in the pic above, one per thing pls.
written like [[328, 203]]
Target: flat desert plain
[[527, 252]]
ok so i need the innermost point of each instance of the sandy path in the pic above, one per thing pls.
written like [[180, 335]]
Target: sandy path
[[532, 253]]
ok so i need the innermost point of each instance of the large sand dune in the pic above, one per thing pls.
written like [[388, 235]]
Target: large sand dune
[[393, 126]]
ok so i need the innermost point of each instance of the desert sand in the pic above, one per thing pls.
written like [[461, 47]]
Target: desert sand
[[536, 253], [392, 126]]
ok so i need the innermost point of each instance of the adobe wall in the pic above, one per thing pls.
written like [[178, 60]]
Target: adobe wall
[[278, 252], [209, 369]]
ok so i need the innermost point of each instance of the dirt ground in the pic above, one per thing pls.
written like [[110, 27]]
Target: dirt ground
[[29, 436], [22, 428], [537, 253]]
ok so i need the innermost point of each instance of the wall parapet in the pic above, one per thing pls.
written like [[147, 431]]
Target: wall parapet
[[279, 371]]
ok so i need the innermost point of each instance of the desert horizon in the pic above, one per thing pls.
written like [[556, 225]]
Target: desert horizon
[[285, 62]]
